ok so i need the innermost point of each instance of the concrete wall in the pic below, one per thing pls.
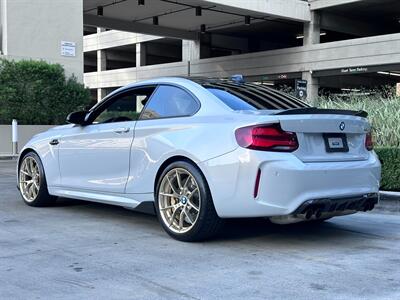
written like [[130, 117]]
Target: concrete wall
[[114, 38], [120, 77], [25, 133], [378, 50], [35, 29], [288, 9], [318, 4]]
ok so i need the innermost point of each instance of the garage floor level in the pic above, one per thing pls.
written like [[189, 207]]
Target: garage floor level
[[80, 250]]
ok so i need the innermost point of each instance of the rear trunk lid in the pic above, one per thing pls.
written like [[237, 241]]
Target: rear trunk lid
[[323, 135], [328, 135]]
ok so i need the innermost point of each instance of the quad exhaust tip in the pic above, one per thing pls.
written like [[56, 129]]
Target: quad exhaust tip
[[317, 212], [327, 208]]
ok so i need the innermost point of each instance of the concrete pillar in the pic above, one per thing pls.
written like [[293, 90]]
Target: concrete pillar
[[190, 50], [101, 60], [312, 30], [101, 66], [101, 93], [140, 55], [312, 86]]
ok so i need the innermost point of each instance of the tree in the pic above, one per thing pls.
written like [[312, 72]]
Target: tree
[[36, 92]]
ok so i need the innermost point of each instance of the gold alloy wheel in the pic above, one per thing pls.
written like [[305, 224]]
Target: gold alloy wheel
[[179, 200], [29, 179]]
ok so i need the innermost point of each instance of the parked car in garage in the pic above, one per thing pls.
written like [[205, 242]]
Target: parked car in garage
[[201, 150]]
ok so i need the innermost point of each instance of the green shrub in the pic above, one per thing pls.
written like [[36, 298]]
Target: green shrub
[[36, 92], [384, 115], [390, 159]]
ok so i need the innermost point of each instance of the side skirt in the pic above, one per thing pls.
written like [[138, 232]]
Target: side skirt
[[130, 201], [146, 207]]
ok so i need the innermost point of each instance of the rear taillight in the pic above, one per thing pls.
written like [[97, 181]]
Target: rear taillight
[[267, 138], [369, 142]]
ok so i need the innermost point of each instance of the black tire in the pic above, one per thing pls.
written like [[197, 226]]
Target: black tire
[[207, 223], [43, 198]]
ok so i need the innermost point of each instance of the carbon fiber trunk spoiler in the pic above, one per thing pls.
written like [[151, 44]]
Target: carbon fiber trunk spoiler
[[323, 111]]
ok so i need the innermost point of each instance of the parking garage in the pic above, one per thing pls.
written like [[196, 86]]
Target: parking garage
[[337, 48]]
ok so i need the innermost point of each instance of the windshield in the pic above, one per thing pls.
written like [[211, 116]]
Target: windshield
[[252, 97]]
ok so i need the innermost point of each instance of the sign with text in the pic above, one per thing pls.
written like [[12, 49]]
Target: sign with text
[[68, 49], [301, 88], [354, 70]]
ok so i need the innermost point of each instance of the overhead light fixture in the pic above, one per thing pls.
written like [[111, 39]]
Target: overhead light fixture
[[268, 83], [203, 28], [100, 10], [198, 11], [140, 2], [155, 20], [389, 74], [247, 20], [300, 36], [350, 90]]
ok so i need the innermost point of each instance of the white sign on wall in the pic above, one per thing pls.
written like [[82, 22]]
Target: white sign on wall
[[68, 49]]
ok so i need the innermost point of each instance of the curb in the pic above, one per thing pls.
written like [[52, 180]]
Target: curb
[[389, 202], [390, 194]]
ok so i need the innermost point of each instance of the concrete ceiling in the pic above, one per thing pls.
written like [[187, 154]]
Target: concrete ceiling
[[371, 10], [366, 18], [177, 17]]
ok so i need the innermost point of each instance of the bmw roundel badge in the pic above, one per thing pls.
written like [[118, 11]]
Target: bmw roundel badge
[[342, 126]]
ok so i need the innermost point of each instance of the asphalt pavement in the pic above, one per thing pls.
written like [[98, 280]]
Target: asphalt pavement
[[82, 250]]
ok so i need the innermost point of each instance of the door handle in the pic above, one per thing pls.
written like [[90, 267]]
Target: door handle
[[54, 142], [122, 130]]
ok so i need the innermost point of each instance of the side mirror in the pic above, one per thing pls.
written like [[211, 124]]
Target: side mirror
[[78, 117]]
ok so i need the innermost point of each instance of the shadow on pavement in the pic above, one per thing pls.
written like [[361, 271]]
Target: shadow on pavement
[[233, 229]]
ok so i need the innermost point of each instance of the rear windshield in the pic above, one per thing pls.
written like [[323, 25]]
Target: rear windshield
[[250, 96]]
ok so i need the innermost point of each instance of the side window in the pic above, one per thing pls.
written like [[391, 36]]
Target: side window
[[170, 101], [124, 107]]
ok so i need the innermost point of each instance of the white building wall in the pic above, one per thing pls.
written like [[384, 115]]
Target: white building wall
[[34, 30]]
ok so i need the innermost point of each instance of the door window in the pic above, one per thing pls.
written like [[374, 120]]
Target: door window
[[170, 101], [124, 107]]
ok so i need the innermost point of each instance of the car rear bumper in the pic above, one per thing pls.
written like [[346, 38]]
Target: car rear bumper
[[317, 209], [286, 183], [354, 203]]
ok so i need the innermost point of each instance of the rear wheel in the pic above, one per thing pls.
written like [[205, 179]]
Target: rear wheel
[[32, 181], [184, 205]]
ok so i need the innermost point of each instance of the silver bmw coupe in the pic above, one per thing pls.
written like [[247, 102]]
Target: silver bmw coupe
[[197, 151]]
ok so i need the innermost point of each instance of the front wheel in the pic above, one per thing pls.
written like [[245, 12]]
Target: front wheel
[[32, 181], [184, 205]]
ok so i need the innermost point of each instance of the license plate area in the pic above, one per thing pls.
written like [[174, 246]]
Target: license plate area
[[335, 142]]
